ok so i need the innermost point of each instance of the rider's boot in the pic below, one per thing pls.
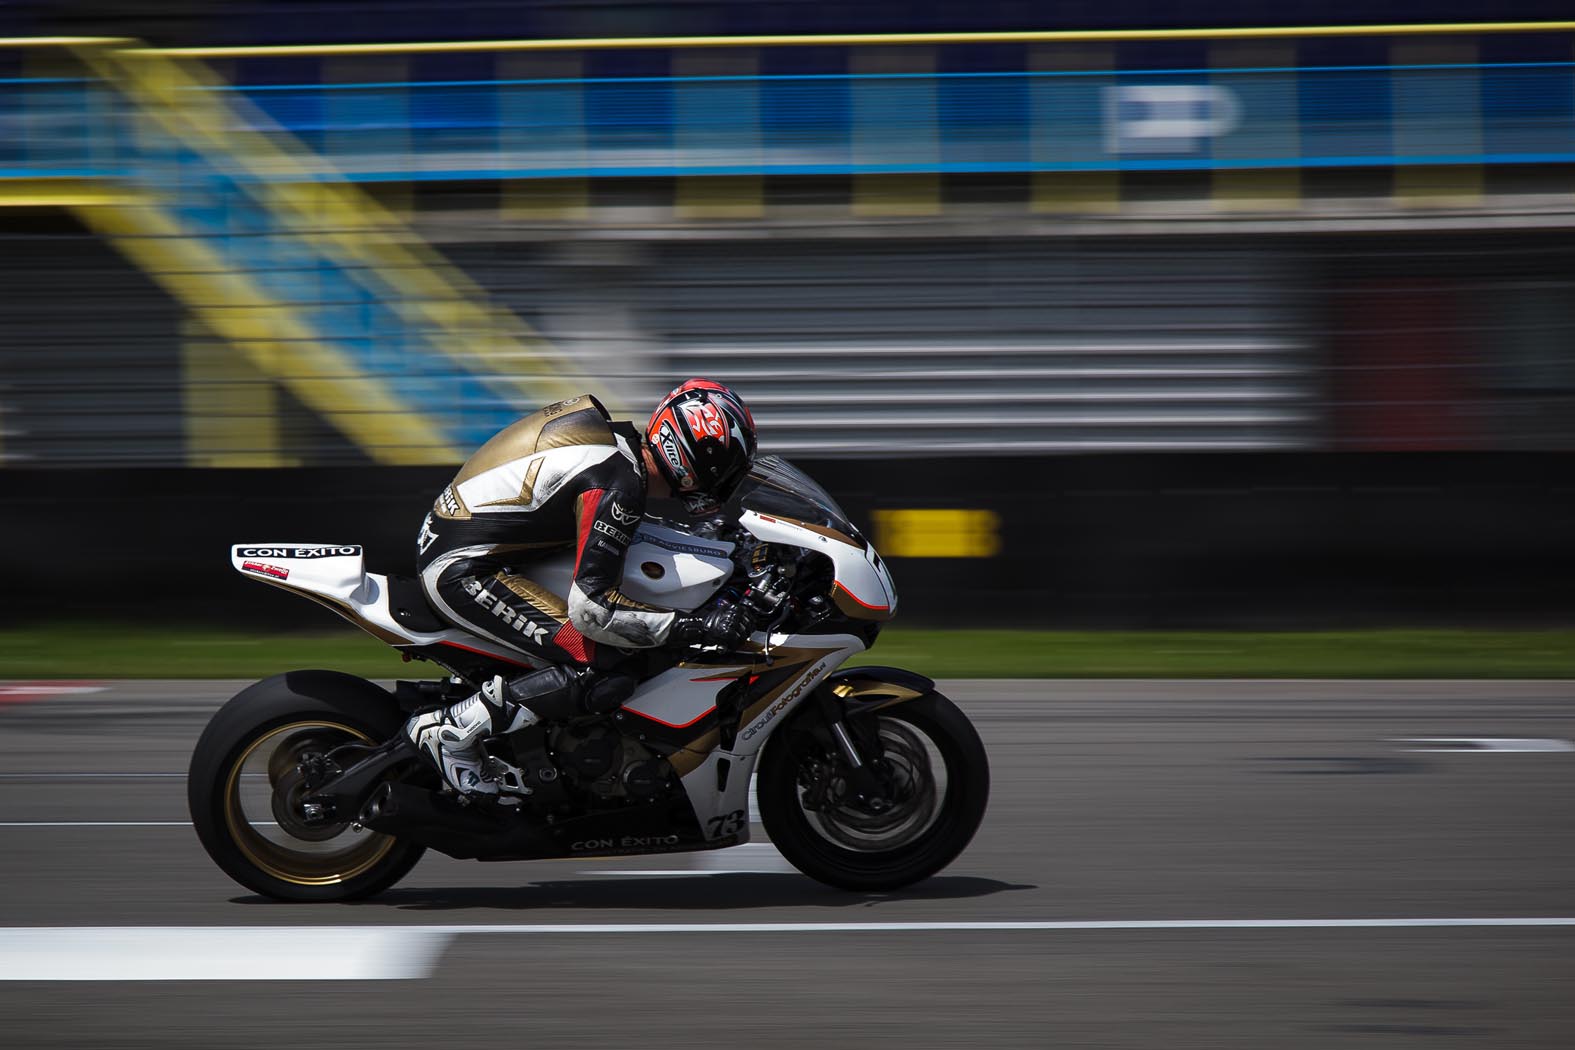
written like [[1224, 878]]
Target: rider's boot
[[452, 737]]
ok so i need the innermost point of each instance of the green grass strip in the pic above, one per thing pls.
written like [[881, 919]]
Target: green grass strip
[[111, 651]]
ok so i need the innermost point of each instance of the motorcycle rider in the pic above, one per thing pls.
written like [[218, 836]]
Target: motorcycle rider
[[569, 475]]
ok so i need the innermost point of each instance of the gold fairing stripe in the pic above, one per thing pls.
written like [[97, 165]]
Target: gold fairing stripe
[[854, 609], [694, 753], [840, 537], [697, 750], [868, 688]]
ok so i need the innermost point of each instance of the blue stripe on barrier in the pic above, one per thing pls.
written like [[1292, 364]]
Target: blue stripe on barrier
[[965, 122], [960, 168], [383, 85]]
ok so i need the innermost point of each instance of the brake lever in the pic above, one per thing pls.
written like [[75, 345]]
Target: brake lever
[[769, 628]]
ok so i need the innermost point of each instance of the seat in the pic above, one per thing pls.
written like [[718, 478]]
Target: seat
[[407, 603]]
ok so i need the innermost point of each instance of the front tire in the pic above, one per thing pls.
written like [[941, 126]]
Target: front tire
[[930, 746], [242, 786]]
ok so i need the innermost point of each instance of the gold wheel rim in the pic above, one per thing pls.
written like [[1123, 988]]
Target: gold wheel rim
[[297, 867]]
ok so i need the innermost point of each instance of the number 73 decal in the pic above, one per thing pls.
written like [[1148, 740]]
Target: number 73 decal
[[730, 824]]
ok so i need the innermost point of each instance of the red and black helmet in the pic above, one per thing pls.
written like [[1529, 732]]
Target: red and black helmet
[[702, 437]]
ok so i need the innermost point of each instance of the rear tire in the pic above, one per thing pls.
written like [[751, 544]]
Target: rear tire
[[242, 773], [846, 848]]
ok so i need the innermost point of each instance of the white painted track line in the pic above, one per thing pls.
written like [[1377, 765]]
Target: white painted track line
[[95, 823], [386, 953], [40, 690], [52, 775], [113, 824], [1479, 744], [389, 953], [1003, 925], [259, 953]]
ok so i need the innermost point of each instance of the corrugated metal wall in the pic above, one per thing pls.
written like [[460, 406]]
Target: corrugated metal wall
[[976, 345], [892, 347]]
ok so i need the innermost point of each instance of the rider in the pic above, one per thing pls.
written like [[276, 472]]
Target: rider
[[566, 476]]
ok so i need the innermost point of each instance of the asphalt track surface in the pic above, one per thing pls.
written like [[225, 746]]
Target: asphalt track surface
[[1142, 803]]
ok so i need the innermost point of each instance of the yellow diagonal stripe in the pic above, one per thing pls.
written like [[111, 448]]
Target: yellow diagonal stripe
[[277, 344], [315, 203], [60, 193]]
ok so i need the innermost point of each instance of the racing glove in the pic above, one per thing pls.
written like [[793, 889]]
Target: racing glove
[[726, 626]]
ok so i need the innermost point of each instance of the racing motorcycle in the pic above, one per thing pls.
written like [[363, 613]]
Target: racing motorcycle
[[304, 787]]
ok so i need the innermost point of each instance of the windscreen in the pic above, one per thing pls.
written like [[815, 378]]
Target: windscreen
[[775, 486]]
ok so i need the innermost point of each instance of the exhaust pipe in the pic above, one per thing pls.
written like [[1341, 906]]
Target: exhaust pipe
[[438, 822]]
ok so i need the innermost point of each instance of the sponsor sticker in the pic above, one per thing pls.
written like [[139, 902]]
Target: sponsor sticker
[[643, 536], [626, 844], [667, 439], [609, 531], [778, 707], [275, 571], [510, 616], [314, 551]]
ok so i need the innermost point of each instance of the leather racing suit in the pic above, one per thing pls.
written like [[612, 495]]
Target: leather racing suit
[[564, 478]]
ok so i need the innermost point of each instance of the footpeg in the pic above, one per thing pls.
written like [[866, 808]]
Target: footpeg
[[509, 778]]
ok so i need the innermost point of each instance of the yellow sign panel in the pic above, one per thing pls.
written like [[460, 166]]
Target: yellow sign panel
[[937, 533]]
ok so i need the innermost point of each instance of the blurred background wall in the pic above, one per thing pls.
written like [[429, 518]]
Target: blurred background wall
[[1132, 318]]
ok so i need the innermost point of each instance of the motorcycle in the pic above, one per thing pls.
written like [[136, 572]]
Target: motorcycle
[[303, 787]]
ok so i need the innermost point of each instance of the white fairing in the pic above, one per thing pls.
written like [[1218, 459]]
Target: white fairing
[[664, 567], [336, 573], [674, 570], [858, 570], [682, 696], [332, 570]]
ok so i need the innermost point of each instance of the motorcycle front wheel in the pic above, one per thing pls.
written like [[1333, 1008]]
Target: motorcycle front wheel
[[931, 759], [244, 789]]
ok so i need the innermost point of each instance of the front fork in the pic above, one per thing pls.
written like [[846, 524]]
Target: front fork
[[867, 778]]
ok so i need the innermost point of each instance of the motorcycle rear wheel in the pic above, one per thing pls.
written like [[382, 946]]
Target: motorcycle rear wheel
[[930, 746], [243, 790]]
